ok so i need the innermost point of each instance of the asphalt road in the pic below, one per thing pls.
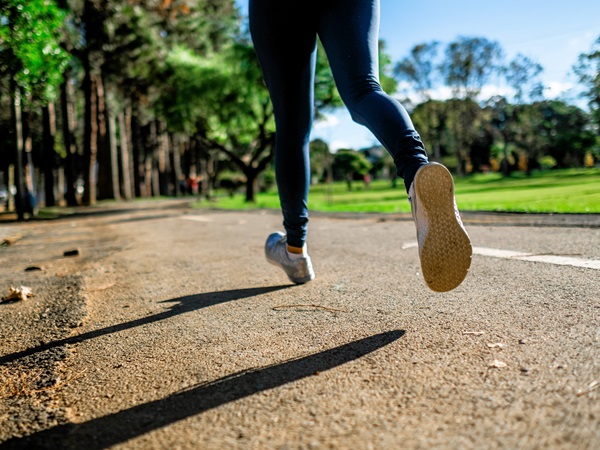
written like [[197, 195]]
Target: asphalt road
[[169, 330]]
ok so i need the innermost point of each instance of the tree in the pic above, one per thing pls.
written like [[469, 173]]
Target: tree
[[431, 119], [587, 69], [469, 65], [124, 48], [71, 166], [464, 120], [211, 96], [522, 75], [32, 59], [350, 163], [386, 69], [327, 97], [419, 69], [567, 129], [504, 121], [223, 102], [320, 161]]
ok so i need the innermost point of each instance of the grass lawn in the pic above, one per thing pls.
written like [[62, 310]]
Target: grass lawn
[[556, 191]]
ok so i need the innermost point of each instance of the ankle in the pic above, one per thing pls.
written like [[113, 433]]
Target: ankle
[[296, 252]]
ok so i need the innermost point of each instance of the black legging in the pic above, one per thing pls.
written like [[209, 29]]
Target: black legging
[[284, 33]]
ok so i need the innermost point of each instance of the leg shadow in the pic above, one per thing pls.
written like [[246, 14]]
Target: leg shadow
[[180, 305], [119, 427]]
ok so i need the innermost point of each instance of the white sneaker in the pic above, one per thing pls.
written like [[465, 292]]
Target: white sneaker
[[444, 245], [299, 270]]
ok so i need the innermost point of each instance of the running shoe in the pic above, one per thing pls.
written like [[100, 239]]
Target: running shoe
[[299, 270], [444, 245]]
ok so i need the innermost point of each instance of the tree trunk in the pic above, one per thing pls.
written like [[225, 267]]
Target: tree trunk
[[203, 160], [49, 123], [134, 131], [90, 144], [114, 156], [19, 175], [105, 169], [161, 143], [208, 169], [30, 178], [125, 157], [178, 178], [11, 182], [251, 184], [68, 127], [148, 175], [90, 90]]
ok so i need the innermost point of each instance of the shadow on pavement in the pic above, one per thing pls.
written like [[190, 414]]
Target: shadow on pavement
[[109, 209], [182, 305], [104, 432]]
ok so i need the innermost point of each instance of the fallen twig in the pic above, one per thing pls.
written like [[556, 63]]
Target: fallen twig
[[326, 308], [101, 288], [593, 385]]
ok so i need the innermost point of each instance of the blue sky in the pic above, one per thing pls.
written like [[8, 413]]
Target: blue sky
[[551, 32]]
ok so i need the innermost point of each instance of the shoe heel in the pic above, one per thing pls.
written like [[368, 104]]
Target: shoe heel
[[446, 251]]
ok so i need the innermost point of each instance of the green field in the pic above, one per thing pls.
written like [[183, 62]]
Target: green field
[[556, 191]]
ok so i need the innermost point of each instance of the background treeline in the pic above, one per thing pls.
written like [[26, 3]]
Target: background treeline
[[123, 99]]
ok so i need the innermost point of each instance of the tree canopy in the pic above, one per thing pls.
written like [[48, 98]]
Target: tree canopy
[[30, 52], [155, 93]]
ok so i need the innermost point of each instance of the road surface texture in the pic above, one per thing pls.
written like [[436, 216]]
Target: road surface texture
[[168, 329]]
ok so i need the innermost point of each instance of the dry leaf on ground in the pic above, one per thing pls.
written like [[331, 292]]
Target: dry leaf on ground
[[496, 364], [496, 345], [17, 294], [9, 241]]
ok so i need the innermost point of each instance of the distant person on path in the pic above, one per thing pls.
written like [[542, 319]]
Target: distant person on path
[[285, 35]]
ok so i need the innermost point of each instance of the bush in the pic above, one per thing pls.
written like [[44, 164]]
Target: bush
[[547, 162]]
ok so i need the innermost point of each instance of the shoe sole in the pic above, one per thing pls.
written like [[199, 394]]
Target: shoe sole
[[292, 279], [276, 263], [446, 252]]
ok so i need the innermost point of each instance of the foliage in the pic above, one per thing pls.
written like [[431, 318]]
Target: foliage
[[470, 63], [30, 51], [431, 119], [565, 128], [522, 75], [211, 96], [350, 163], [320, 160], [191, 88], [386, 68], [418, 69], [327, 97], [587, 69]]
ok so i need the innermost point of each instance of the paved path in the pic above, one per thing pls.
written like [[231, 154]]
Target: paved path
[[170, 330]]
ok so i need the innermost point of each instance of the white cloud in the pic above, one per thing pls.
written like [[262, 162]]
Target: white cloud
[[335, 145], [493, 90], [556, 88], [328, 121], [443, 93]]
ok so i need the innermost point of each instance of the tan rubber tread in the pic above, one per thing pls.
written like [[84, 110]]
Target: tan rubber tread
[[446, 251]]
